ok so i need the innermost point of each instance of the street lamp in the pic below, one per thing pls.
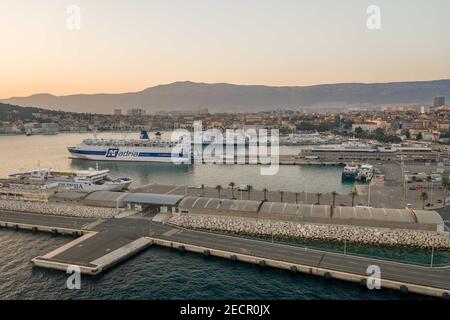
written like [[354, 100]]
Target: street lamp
[[185, 181]]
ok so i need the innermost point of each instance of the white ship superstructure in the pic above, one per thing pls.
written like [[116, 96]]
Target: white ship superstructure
[[144, 150], [79, 180]]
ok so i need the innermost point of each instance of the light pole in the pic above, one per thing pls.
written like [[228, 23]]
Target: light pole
[[432, 256], [431, 192], [306, 194], [185, 181]]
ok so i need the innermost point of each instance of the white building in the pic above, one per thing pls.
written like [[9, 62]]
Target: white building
[[136, 112], [367, 127]]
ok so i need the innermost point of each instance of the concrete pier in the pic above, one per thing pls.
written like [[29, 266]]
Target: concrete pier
[[106, 243], [103, 243]]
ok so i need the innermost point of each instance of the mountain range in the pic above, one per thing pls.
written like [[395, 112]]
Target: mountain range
[[224, 97]]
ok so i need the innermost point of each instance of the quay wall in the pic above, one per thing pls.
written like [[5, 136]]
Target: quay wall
[[294, 267]]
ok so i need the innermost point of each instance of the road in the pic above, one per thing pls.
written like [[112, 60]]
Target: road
[[114, 233], [434, 277], [44, 220]]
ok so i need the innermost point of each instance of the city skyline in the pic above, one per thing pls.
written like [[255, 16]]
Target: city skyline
[[128, 47]]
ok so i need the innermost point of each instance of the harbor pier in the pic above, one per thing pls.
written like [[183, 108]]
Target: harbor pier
[[106, 242]]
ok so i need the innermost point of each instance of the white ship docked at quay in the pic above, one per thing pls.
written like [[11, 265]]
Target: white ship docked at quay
[[79, 180], [143, 149]]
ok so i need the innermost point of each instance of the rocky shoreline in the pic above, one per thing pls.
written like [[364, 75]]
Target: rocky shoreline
[[58, 209], [333, 233]]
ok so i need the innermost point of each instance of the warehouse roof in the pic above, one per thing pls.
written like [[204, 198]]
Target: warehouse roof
[[219, 204], [153, 199], [354, 213], [105, 196], [305, 210]]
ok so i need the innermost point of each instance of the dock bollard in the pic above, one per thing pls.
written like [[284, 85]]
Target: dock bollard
[[328, 276], [403, 289], [363, 282]]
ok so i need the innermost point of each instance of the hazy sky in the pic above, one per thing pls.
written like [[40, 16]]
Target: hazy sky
[[130, 45]]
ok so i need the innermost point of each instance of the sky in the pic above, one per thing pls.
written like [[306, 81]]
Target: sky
[[125, 46]]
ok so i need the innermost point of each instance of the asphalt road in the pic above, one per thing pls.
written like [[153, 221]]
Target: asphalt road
[[111, 234], [44, 220], [434, 277], [115, 233]]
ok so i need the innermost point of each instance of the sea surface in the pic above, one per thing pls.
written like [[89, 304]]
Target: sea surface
[[19, 153], [160, 273]]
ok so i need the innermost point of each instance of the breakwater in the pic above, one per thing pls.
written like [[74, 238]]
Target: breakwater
[[58, 209], [293, 230]]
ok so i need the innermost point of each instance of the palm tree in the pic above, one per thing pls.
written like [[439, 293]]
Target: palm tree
[[281, 195], [232, 185], [219, 189], [296, 197], [423, 197], [353, 194], [318, 195], [203, 189], [429, 182], [249, 189], [265, 190], [446, 186], [334, 194]]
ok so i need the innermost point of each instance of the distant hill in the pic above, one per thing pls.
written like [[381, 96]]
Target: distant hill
[[231, 98], [10, 112]]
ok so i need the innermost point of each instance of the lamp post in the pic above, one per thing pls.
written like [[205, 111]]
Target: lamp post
[[432, 256], [185, 181]]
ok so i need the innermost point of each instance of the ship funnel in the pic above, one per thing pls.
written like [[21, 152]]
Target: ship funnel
[[144, 135]]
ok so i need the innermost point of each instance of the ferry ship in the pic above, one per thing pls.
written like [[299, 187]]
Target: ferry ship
[[355, 150], [144, 150], [79, 180]]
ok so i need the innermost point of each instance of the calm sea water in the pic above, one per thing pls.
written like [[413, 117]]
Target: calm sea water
[[160, 273], [26, 153]]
